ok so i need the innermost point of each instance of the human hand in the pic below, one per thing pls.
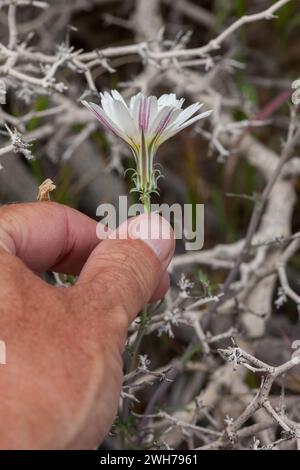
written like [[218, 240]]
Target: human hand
[[61, 384]]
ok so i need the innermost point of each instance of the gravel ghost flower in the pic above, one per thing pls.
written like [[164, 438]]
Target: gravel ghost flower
[[144, 125]]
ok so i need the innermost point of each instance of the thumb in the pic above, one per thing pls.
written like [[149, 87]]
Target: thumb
[[117, 280], [126, 269]]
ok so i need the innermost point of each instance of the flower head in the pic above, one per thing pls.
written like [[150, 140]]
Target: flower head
[[144, 125]]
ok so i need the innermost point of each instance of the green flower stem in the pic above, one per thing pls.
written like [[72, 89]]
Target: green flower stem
[[144, 318], [145, 199]]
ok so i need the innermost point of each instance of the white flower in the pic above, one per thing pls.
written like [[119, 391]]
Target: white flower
[[144, 124]]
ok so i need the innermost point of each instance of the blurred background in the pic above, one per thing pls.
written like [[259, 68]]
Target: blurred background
[[250, 71]]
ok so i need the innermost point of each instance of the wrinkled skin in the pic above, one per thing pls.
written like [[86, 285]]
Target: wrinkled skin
[[60, 387]]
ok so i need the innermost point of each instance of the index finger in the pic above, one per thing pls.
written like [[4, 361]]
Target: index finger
[[48, 235]]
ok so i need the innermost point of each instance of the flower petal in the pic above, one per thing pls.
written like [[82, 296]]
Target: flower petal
[[167, 100], [124, 120], [153, 109], [194, 119], [173, 130], [104, 119], [188, 112], [147, 112], [145, 124], [134, 107], [107, 104], [170, 100], [160, 121], [117, 96]]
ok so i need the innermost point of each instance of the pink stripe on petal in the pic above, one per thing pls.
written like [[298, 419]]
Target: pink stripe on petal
[[103, 121], [164, 122], [144, 111], [141, 114]]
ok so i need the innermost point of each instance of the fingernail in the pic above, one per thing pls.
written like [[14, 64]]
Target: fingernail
[[156, 232]]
